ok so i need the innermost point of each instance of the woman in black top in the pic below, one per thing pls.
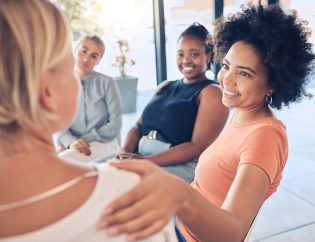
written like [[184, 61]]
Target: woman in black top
[[184, 116]]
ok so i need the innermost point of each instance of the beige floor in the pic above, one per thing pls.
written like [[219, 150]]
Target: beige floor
[[289, 215]]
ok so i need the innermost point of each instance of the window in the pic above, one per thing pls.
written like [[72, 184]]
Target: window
[[130, 20], [179, 14], [232, 6]]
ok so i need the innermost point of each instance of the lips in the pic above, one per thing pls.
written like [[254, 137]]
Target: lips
[[83, 65], [230, 93], [187, 68]]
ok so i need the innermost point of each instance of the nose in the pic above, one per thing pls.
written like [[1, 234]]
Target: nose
[[186, 59], [228, 78], [85, 58]]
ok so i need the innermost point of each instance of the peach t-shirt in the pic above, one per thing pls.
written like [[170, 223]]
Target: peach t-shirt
[[261, 142]]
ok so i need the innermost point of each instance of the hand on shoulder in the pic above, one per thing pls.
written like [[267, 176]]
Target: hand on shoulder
[[132, 213]]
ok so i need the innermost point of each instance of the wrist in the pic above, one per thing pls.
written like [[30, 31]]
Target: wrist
[[126, 149], [185, 198]]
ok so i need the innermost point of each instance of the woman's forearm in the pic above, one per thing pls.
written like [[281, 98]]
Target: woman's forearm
[[201, 217], [132, 139]]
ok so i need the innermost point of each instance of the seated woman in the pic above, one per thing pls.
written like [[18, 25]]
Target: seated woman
[[184, 116], [266, 60], [93, 134], [42, 197]]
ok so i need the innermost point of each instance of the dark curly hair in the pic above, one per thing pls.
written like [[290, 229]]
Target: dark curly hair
[[199, 32], [282, 40]]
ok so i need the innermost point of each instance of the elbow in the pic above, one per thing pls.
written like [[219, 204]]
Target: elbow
[[236, 233], [237, 236], [229, 228], [227, 234]]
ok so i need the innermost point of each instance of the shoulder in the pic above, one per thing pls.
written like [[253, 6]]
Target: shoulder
[[163, 84], [121, 179], [211, 91], [269, 131], [213, 88], [270, 125]]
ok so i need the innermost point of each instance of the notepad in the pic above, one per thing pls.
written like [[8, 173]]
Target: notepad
[[100, 152]]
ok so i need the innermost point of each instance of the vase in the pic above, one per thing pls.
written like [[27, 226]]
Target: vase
[[127, 86]]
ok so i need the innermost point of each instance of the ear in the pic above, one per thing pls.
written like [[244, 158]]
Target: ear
[[270, 90], [46, 92]]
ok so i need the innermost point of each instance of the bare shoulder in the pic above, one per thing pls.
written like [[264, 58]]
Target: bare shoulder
[[212, 90]]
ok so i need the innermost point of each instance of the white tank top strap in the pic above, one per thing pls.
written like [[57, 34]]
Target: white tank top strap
[[49, 193]]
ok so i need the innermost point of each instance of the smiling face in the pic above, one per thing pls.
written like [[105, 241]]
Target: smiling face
[[192, 59], [244, 78], [87, 55]]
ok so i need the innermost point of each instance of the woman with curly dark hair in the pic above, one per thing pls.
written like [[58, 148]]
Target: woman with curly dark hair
[[281, 41], [266, 59]]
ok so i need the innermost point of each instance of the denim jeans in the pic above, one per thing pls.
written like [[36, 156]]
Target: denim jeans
[[185, 170], [149, 146], [179, 235]]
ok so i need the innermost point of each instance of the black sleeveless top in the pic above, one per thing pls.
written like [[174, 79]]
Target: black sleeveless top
[[173, 111]]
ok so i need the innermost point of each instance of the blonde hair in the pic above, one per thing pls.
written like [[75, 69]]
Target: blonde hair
[[35, 37], [97, 40]]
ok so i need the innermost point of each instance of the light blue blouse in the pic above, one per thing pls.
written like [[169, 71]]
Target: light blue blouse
[[99, 116]]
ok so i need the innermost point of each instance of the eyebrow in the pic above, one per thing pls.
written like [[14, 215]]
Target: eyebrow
[[93, 53], [192, 49], [242, 67]]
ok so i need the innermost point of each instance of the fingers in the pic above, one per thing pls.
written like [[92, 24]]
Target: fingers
[[60, 149], [141, 227], [126, 155], [123, 156], [141, 167], [83, 149], [81, 146], [86, 147], [130, 220], [118, 156], [139, 221], [122, 207], [146, 232]]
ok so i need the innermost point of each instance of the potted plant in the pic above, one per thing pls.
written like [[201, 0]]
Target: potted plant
[[127, 84]]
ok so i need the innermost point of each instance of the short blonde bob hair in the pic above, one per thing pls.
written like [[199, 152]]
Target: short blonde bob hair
[[35, 38]]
